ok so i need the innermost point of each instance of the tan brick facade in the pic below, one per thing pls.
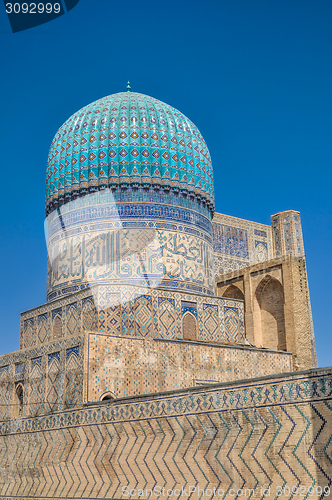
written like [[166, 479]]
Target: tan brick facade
[[129, 367], [277, 307]]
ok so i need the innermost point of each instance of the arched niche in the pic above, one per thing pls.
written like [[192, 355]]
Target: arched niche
[[18, 403], [233, 292], [57, 328], [270, 298], [107, 396], [189, 326]]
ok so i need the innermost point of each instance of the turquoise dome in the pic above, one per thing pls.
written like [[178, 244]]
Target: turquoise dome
[[128, 140]]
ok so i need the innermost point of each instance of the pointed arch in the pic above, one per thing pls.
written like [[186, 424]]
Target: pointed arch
[[189, 326], [107, 396], [19, 397], [270, 298], [57, 328], [233, 292]]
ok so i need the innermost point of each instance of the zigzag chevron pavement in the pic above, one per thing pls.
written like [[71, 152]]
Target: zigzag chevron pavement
[[266, 433]]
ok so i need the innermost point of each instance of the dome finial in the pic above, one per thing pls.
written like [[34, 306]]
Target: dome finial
[[128, 87]]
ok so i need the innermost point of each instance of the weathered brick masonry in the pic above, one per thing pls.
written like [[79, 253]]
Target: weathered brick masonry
[[264, 433]]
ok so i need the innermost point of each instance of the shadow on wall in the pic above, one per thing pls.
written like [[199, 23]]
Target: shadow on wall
[[233, 292], [270, 299], [107, 396], [268, 310], [18, 403]]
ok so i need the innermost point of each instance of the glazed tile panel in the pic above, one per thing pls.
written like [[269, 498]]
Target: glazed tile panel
[[270, 434], [51, 376], [128, 139], [238, 243], [287, 233], [104, 242], [160, 313], [76, 313], [136, 311]]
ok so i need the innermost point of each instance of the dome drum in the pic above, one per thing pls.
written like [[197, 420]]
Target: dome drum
[[93, 240], [203, 205]]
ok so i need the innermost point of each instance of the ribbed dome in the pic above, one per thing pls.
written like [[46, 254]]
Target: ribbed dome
[[128, 139]]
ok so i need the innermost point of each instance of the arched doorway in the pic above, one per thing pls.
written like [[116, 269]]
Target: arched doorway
[[270, 298]]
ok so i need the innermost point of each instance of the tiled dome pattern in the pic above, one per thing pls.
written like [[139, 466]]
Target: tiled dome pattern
[[128, 139]]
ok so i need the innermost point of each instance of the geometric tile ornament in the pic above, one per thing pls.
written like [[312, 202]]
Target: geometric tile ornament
[[113, 319], [167, 320], [235, 243], [231, 315], [72, 319], [210, 322], [273, 435], [53, 397], [89, 314], [128, 139], [42, 328], [5, 392], [44, 377], [143, 312], [37, 387], [28, 333], [73, 379]]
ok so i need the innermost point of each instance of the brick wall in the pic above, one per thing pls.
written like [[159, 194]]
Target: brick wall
[[131, 366], [277, 306], [267, 433]]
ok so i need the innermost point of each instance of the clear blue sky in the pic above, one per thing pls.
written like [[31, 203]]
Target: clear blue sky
[[254, 76]]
